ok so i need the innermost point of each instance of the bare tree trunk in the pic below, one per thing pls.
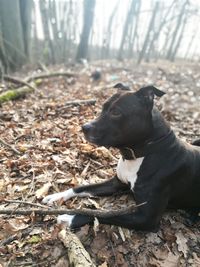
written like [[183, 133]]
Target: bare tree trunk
[[191, 42], [25, 14], [107, 37], [134, 35], [127, 24], [64, 15], [89, 6], [180, 37], [53, 23], [3, 58], [46, 30], [148, 34], [12, 34], [157, 33], [175, 33]]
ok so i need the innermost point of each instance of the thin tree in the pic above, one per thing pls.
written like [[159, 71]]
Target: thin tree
[[148, 34], [180, 37], [157, 32], [88, 17], [176, 30], [108, 34], [126, 28], [49, 47], [134, 32]]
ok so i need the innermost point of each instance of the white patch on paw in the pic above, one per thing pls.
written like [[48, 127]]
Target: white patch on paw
[[65, 219], [50, 199]]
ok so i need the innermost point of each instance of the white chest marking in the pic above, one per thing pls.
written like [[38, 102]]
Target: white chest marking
[[127, 170]]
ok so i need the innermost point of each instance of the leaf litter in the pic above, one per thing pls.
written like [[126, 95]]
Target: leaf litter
[[54, 156]]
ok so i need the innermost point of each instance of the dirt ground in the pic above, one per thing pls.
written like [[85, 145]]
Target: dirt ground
[[54, 156]]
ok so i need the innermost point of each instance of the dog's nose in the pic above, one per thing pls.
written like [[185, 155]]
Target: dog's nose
[[86, 127]]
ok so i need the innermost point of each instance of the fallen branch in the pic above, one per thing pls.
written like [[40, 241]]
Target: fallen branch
[[18, 81], [50, 75], [78, 256], [89, 212], [15, 94], [78, 103], [9, 146]]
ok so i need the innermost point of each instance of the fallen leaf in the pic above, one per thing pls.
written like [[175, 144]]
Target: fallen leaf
[[182, 243]]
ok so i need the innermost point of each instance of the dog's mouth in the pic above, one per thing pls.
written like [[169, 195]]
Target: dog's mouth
[[94, 139]]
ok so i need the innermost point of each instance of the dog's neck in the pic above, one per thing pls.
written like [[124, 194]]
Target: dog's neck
[[160, 134]]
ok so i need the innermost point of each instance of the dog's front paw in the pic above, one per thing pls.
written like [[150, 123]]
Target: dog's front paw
[[74, 221], [65, 219], [50, 199]]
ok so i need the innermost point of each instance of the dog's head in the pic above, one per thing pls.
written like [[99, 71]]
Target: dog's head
[[126, 118]]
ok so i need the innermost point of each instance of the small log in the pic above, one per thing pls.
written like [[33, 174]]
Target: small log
[[15, 94], [78, 256]]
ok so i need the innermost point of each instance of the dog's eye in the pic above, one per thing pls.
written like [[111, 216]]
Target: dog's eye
[[115, 113]]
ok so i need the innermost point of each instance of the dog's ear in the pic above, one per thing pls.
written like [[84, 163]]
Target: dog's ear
[[147, 94], [121, 86]]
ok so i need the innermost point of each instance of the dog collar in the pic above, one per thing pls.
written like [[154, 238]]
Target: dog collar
[[134, 152]]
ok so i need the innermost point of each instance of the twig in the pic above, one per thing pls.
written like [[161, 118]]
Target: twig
[[9, 146], [25, 203], [18, 81], [89, 212], [50, 75], [77, 254]]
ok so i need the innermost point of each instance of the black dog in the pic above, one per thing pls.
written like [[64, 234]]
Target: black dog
[[155, 165]]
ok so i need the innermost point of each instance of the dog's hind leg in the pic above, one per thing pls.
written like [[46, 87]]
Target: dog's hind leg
[[106, 188]]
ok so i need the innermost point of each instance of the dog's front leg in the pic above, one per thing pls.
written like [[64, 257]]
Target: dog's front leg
[[106, 188], [145, 218]]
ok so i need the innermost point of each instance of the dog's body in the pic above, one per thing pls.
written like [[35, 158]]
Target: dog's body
[[157, 168]]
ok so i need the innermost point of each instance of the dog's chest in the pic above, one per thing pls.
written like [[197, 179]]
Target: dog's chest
[[127, 170]]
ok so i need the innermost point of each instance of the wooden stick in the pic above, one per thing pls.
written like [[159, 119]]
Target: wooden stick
[[78, 103], [9, 146], [25, 203], [89, 212], [78, 256], [50, 75]]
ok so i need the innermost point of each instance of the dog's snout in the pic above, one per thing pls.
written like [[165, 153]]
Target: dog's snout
[[86, 127]]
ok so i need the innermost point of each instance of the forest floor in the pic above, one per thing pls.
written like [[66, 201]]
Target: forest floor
[[54, 156]]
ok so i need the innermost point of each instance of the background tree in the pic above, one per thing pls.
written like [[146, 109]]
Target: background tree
[[15, 17], [63, 31], [89, 6]]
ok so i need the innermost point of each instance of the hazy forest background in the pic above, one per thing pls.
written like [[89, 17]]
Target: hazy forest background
[[61, 31], [59, 62]]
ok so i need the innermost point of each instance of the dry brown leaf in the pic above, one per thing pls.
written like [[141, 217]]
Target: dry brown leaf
[[14, 225]]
